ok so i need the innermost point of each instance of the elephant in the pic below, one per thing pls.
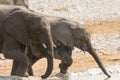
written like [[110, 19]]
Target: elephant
[[20, 3], [1, 31], [19, 27], [66, 35]]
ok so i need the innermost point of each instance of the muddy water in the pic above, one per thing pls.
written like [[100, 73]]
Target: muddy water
[[74, 76], [91, 77], [93, 74]]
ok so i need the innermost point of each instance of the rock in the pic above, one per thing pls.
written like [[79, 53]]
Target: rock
[[61, 75]]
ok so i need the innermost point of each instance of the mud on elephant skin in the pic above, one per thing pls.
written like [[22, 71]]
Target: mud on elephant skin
[[21, 27], [67, 35]]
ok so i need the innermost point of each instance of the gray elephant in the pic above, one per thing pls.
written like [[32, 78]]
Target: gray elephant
[[66, 35], [1, 36], [19, 27]]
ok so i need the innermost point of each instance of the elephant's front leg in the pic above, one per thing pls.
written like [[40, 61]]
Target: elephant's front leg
[[66, 59], [11, 50], [14, 67], [30, 70], [33, 59]]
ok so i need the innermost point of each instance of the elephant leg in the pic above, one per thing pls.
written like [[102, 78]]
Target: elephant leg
[[30, 56], [16, 63], [33, 60], [22, 60], [64, 66], [30, 70], [66, 59], [14, 67], [1, 44], [11, 50]]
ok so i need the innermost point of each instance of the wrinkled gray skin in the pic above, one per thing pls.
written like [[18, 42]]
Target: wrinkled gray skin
[[20, 27], [1, 36], [67, 35], [19, 2]]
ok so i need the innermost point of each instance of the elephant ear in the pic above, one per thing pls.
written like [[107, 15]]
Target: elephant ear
[[15, 26], [62, 33]]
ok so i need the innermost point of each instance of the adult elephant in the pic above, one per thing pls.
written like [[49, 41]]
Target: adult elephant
[[19, 27], [66, 35]]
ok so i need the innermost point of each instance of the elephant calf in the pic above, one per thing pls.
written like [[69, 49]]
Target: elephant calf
[[19, 27], [66, 35]]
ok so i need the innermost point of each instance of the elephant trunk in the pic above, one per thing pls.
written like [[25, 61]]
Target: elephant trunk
[[96, 58], [49, 67], [49, 64], [49, 55]]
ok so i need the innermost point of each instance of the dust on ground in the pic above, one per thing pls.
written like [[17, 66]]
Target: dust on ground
[[4, 2], [103, 27], [81, 62]]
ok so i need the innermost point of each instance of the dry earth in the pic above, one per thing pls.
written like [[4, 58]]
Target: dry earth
[[80, 62]]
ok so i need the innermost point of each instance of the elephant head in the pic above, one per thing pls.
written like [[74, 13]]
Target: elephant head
[[26, 27]]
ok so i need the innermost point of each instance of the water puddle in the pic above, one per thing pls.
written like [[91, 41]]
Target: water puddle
[[93, 74], [90, 74], [91, 77], [74, 76]]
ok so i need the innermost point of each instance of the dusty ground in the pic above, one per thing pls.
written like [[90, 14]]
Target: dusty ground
[[81, 62], [103, 27]]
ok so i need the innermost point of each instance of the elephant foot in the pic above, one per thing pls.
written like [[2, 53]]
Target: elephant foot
[[22, 75], [63, 68], [44, 76], [30, 72], [65, 65]]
